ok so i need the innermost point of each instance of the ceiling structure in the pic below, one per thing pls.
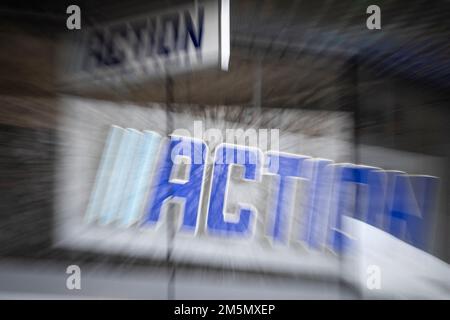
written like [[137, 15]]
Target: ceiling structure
[[305, 48]]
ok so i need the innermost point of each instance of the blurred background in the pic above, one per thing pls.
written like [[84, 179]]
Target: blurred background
[[310, 69]]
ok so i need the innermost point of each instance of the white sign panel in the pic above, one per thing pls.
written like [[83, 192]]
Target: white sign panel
[[109, 174]]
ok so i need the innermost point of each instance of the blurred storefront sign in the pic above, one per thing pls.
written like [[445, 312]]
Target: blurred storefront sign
[[284, 215], [153, 45]]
